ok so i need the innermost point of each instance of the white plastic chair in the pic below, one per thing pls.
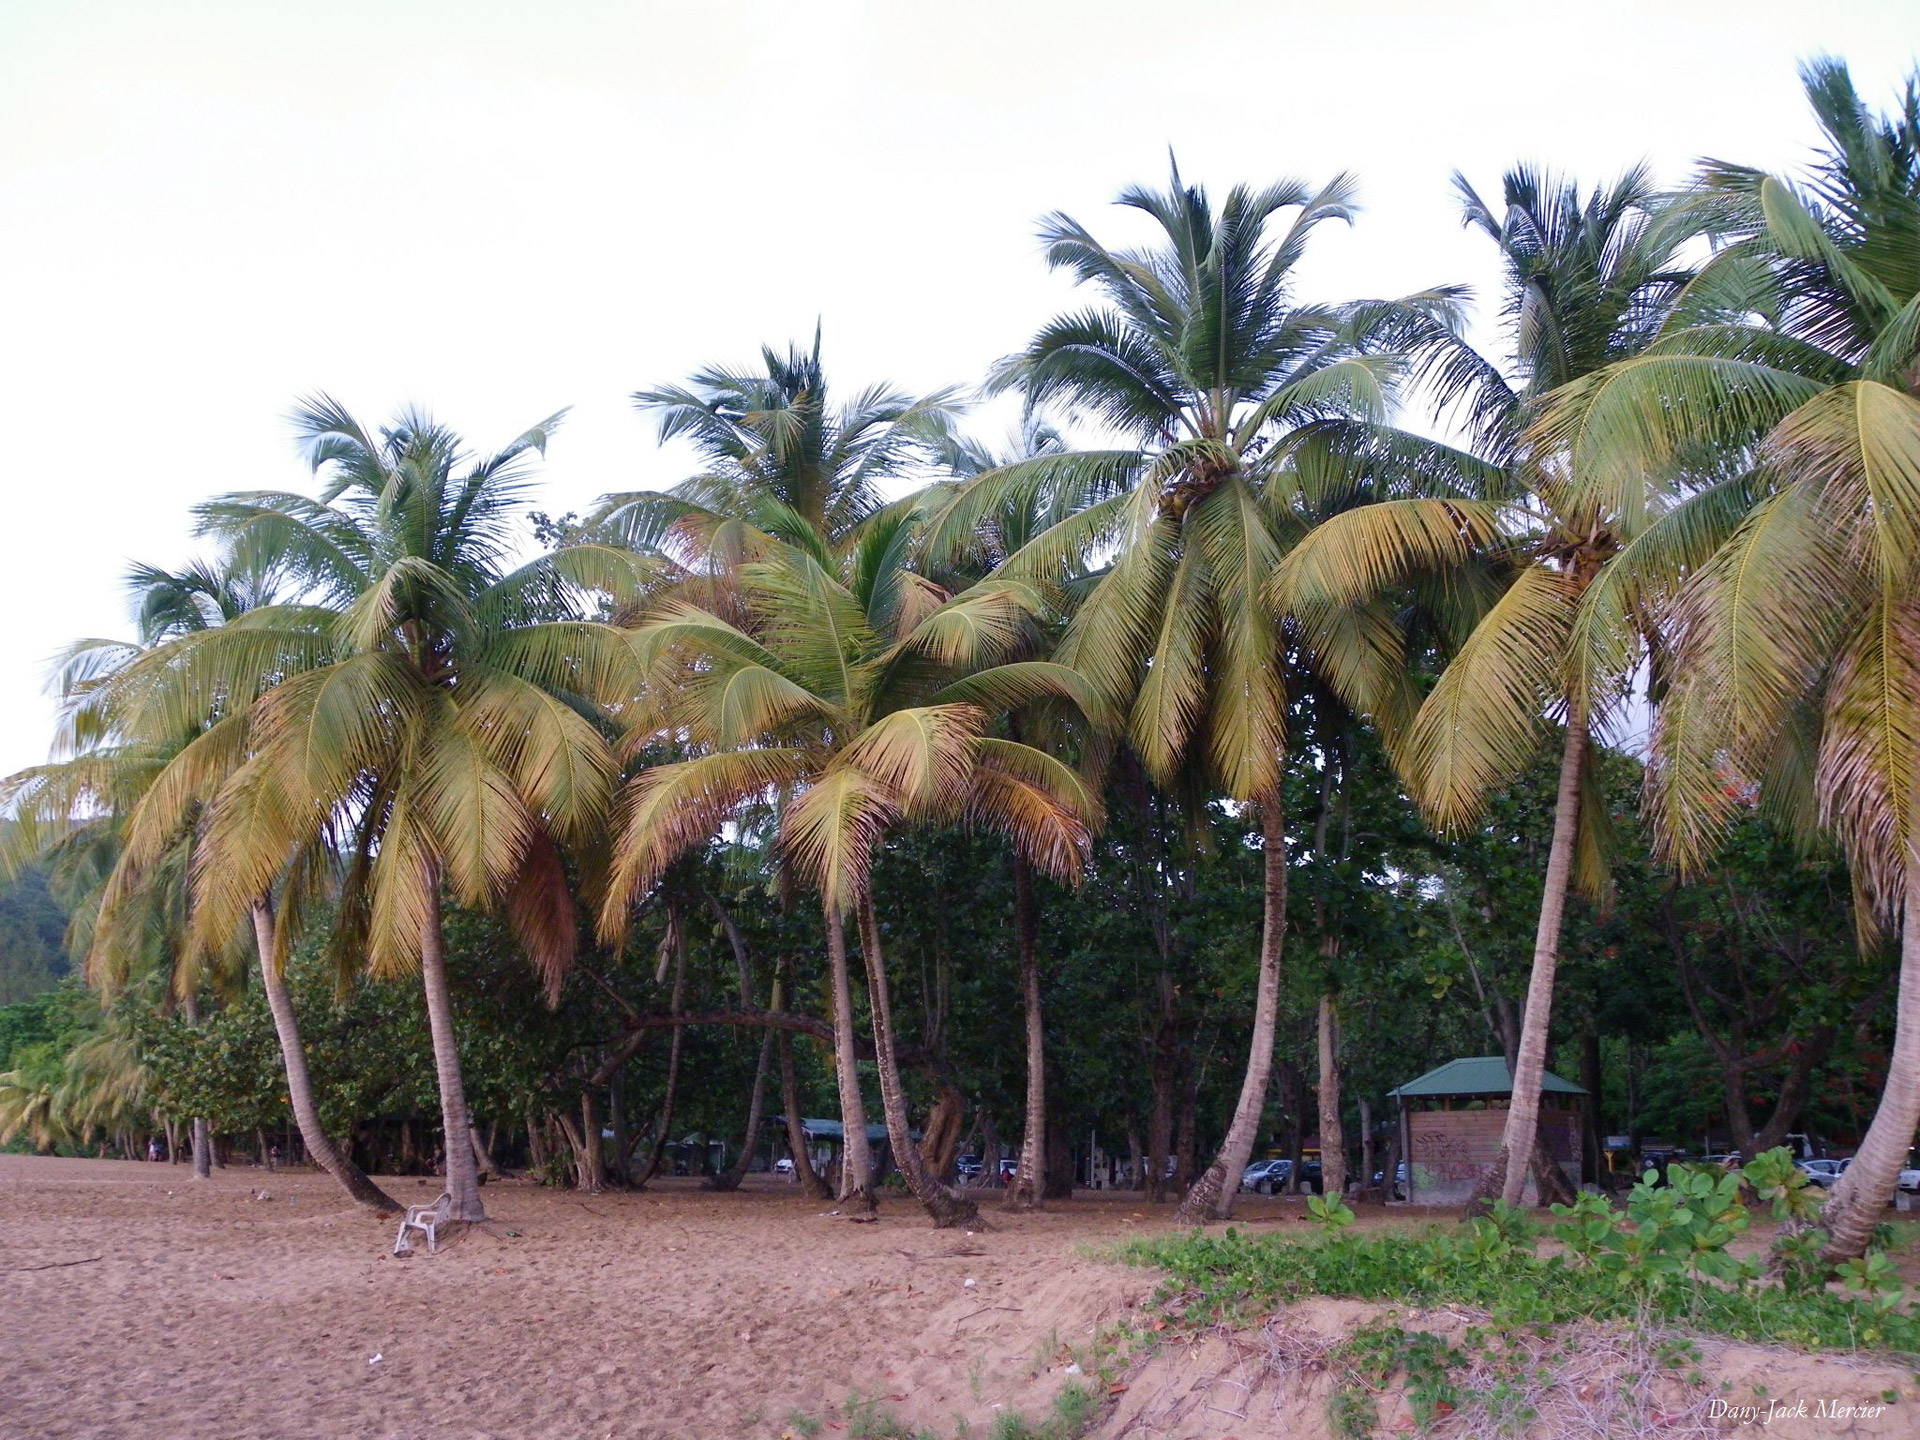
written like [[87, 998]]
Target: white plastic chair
[[427, 1219]]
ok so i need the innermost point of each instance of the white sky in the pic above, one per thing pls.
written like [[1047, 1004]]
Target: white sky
[[496, 210]]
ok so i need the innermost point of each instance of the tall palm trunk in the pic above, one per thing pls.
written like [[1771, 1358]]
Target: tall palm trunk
[[463, 1176], [856, 1167], [293, 1054], [1861, 1196], [1028, 1190], [945, 1205], [1211, 1197], [1333, 1139], [1509, 1175]]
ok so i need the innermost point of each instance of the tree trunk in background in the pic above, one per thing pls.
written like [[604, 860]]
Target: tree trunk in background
[[482, 1156], [1507, 1178], [1059, 1157], [1029, 1190], [677, 934], [856, 1162], [1333, 1139], [811, 1185], [463, 1177], [1163, 1074], [293, 1055], [1860, 1199], [947, 1207], [202, 1148], [940, 1136], [730, 1178], [1590, 1080], [1367, 1167], [1211, 1197], [1186, 1128]]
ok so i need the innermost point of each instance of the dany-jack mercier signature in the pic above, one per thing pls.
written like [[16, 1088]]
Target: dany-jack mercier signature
[[1823, 1407]]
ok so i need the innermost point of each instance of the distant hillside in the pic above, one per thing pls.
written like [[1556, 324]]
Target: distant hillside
[[33, 954]]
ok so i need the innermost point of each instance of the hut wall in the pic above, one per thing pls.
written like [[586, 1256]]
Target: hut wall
[[1451, 1149]]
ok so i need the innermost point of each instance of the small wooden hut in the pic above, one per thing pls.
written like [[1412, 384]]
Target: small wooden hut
[[1452, 1118]]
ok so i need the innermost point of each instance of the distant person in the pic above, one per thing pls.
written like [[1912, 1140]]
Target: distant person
[[153, 1149]]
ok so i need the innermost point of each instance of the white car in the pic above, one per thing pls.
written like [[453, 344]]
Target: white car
[[1910, 1177]]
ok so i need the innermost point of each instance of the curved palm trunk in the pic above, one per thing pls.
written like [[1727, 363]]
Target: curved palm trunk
[[1333, 1139], [730, 1178], [293, 1054], [1523, 1110], [1211, 1197], [809, 1180], [1028, 1190], [1860, 1198], [678, 936], [856, 1164], [946, 1206], [463, 1176]]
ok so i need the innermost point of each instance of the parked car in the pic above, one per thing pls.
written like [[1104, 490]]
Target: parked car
[[1726, 1160], [1009, 1167], [1822, 1172], [1910, 1177], [783, 1167], [1399, 1180], [1263, 1177], [969, 1166]]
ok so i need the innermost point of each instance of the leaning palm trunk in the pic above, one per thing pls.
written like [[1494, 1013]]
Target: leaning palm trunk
[[1508, 1175], [730, 1178], [1333, 1140], [1211, 1197], [678, 938], [463, 1176], [856, 1168], [1861, 1196], [946, 1206], [293, 1054], [1028, 1190]]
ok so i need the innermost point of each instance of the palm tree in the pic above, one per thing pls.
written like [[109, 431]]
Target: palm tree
[[419, 722], [1589, 283], [781, 461], [860, 702], [1808, 681], [73, 813], [1207, 372]]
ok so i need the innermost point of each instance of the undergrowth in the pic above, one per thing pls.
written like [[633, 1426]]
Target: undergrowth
[[1662, 1261]]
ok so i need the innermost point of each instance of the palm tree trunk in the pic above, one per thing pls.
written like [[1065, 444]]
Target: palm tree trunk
[[1509, 1174], [811, 1185], [463, 1176], [730, 1178], [947, 1207], [293, 1055], [1333, 1140], [1028, 1190], [856, 1160], [1211, 1197], [676, 930], [1860, 1198], [202, 1153]]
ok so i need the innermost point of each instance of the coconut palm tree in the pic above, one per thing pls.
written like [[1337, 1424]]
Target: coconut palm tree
[[1808, 682], [73, 813], [780, 461], [1207, 371], [857, 702], [419, 723], [1589, 280]]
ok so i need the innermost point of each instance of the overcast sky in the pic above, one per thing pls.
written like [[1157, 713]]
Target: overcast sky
[[495, 210]]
